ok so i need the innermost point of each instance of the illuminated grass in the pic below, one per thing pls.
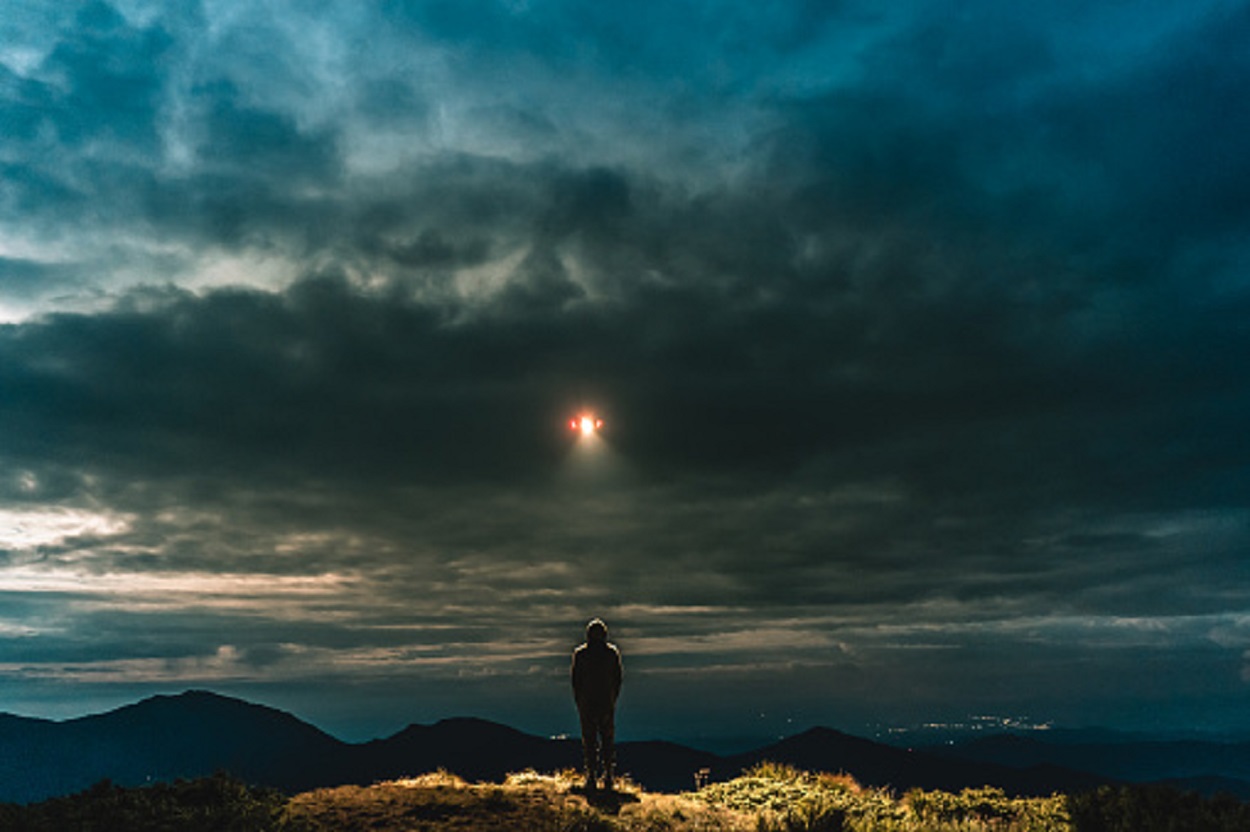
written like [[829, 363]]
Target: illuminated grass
[[766, 798], [786, 799], [526, 800]]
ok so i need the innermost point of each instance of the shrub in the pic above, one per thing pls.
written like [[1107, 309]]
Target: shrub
[[988, 808], [816, 814], [787, 799], [212, 804], [1155, 809], [440, 778]]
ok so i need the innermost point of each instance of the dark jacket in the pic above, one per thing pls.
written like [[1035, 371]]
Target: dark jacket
[[596, 676]]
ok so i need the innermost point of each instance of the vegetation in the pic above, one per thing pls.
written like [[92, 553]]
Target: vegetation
[[211, 804], [788, 800], [442, 802], [1156, 809], [766, 798]]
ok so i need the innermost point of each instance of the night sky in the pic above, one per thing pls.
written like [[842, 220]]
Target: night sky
[[920, 332]]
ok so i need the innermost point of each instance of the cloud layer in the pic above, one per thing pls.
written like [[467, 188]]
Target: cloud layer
[[919, 335]]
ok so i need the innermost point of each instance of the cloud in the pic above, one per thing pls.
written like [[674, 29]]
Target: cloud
[[901, 323]]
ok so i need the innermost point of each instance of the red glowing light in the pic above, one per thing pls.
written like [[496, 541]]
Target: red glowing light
[[587, 424]]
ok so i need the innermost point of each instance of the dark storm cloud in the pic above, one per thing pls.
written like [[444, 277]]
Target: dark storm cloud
[[904, 357], [99, 88]]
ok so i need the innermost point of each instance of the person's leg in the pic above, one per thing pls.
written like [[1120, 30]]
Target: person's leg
[[590, 751], [607, 747]]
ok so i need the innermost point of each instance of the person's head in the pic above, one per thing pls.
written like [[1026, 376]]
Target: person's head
[[596, 631]]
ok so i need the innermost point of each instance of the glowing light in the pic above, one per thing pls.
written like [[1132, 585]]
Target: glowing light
[[587, 424]]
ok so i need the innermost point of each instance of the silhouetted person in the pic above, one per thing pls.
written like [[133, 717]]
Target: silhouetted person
[[596, 676]]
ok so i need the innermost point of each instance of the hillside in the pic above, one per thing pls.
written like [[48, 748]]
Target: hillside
[[443, 802], [1205, 766], [767, 798], [162, 738], [197, 733], [823, 749]]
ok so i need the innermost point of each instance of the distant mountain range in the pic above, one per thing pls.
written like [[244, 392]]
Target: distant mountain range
[[1195, 765], [197, 733]]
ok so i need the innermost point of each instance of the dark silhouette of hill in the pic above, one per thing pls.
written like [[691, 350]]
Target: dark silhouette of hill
[[1201, 765], [875, 764], [1209, 786], [666, 766], [198, 733], [161, 738], [475, 749]]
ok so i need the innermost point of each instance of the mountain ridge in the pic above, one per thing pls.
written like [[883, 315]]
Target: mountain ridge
[[1204, 765], [196, 733]]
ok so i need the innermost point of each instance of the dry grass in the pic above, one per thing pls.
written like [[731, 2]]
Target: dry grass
[[767, 798], [443, 802]]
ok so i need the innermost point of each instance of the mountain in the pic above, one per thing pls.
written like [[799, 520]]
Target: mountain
[[476, 749], [666, 766], [1201, 765], [161, 738], [875, 764], [197, 733]]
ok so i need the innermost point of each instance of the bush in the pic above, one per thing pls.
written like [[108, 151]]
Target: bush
[[212, 804], [816, 814], [988, 808], [1156, 809], [788, 799]]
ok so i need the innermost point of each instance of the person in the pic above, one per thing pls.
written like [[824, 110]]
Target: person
[[596, 676]]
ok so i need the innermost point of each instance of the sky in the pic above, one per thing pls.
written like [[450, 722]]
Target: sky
[[918, 331]]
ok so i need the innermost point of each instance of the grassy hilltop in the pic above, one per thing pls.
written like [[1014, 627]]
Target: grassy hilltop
[[767, 798]]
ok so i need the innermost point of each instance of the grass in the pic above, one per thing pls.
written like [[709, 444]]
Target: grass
[[766, 798], [529, 800], [785, 799], [209, 804]]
